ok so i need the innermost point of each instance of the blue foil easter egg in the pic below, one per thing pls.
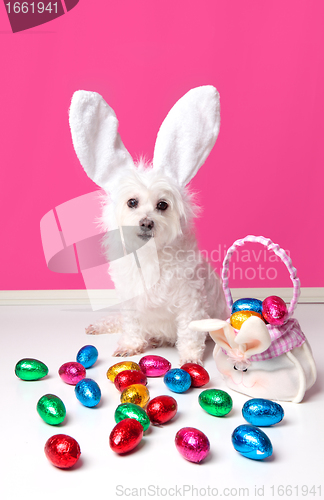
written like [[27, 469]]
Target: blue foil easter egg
[[247, 305], [87, 356], [177, 380], [251, 442], [262, 412], [88, 392]]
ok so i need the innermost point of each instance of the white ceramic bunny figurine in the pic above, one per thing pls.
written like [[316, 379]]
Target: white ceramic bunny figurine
[[260, 360]]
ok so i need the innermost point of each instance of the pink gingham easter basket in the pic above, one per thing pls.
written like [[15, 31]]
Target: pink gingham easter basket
[[262, 360], [283, 338]]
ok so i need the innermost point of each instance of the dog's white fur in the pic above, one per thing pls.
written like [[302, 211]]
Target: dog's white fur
[[178, 284], [188, 288]]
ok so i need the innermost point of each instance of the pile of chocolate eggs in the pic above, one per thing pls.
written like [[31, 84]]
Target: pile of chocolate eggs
[[131, 380], [136, 411], [272, 310]]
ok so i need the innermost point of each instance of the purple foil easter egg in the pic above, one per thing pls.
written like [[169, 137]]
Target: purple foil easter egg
[[72, 372], [154, 366], [192, 444], [274, 310]]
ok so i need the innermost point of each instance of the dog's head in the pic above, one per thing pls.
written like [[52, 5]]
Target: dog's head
[[151, 205], [151, 199]]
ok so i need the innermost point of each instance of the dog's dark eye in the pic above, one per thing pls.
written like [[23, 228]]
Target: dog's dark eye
[[162, 205], [132, 203]]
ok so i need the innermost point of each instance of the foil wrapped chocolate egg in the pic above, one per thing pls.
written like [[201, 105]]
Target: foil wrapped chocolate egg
[[137, 394], [215, 402], [30, 369], [126, 435], [199, 376], [192, 444], [129, 377], [247, 304], [251, 442], [262, 412], [72, 372], [51, 409], [130, 410], [87, 356], [161, 409], [177, 380], [154, 366], [274, 310], [62, 450], [120, 367], [88, 392], [237, 319]]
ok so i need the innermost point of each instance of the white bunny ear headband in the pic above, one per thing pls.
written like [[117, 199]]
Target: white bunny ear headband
[[185, 139], [252, 338]]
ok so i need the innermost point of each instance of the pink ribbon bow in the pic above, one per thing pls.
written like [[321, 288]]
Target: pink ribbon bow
[[238, 359]]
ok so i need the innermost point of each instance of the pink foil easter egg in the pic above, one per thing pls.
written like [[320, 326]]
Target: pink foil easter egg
[[192, 444], [154, 366], [72, 372], [274, 310]]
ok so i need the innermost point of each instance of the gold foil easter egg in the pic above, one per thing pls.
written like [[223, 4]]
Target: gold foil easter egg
[[120, 367], [137, 394], [238, 318]]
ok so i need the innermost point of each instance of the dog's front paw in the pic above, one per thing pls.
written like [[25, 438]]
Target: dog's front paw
[[124, 351], [191, 360]]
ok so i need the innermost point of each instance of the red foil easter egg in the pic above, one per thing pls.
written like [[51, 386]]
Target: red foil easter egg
[[192, 444], [126, 435], [129, 377], [161, 409], [62, 451], [199, 376], [274, 310], [72, 372], [154, 366]]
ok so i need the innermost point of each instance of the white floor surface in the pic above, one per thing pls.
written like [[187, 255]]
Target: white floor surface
[[54, 334]]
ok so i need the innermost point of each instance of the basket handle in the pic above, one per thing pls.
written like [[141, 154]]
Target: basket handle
[[270, 246]]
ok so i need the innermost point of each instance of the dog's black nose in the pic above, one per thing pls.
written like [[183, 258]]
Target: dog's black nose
[[146, 224]]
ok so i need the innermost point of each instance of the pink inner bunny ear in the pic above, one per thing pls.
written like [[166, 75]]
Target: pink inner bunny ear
[[253, 336]]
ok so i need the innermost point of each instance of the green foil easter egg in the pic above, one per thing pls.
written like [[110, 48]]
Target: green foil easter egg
[[51, 408], [130, 410], [215, 402], [30, 369]]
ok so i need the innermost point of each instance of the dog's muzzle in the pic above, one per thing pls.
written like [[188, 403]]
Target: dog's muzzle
[[146, 226]]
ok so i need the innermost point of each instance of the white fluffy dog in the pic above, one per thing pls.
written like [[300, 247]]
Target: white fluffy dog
[[162, 280]]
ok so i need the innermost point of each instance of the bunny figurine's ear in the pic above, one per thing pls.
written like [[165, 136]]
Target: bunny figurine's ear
[[96, 140], [253, 336], [188, 134], [220, 331]]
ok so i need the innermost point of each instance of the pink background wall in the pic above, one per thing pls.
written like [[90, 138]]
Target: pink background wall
[[265, 174]]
